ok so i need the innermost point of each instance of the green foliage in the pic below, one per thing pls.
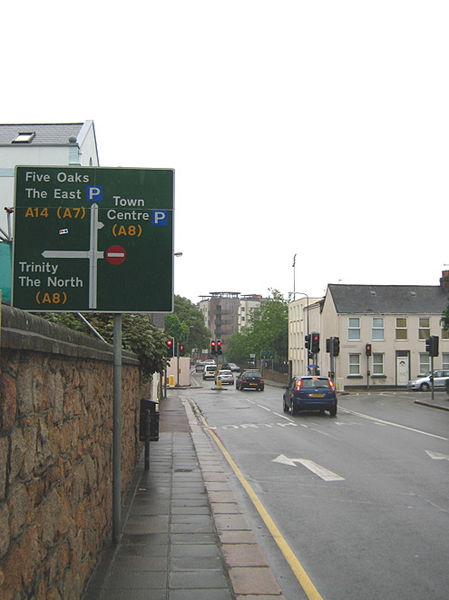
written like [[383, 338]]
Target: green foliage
[[267, 332], [186, 325], [444, 322]]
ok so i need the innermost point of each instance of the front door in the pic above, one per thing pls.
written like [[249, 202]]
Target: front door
[[402, 370]]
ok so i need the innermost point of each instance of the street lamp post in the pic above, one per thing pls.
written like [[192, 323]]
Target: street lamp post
[[294, 277]]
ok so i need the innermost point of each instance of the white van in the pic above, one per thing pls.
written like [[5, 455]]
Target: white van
[[209, 371]]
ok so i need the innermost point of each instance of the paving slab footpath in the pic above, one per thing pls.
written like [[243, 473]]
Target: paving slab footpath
[[185, 536]]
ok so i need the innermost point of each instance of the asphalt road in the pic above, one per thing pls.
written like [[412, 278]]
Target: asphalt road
[[362, 500]]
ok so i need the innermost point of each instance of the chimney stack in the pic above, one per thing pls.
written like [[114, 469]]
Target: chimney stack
[[444, 281]]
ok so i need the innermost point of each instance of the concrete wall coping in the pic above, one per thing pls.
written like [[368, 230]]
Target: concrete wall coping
[[21, 330]]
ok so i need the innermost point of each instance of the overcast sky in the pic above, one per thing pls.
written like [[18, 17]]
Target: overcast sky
[[318, 128]]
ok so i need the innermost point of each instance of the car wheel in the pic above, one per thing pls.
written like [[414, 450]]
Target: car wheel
[[333, 412], [425, 387]]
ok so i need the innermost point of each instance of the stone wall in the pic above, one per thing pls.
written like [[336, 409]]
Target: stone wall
[[56, 401]]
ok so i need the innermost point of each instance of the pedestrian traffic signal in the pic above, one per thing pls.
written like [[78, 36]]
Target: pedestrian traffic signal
[[213, 347], [219, 347], [170, 346], [315, 343], [368, 349]]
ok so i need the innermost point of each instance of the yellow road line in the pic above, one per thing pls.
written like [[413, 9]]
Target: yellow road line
[[298, 570]]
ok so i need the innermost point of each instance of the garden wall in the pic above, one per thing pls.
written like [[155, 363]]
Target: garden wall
[[56, 426]]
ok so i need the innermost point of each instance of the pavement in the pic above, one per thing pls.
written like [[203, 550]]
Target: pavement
[[440, 399], [184, 535]]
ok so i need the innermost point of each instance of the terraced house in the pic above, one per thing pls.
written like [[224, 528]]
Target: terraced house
[[393, 320]]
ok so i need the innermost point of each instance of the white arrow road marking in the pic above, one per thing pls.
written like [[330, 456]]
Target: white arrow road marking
[[437, 455], [322, 472]]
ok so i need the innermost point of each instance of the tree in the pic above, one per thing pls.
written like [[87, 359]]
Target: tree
[[444, 322], [267, 331]]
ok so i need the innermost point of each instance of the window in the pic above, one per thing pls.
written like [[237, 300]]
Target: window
[[401, 328], [353, 328], [378, 363], [24, 138], [378, 329], [354, 364], [445, 360], [424, 363], [424, 328]]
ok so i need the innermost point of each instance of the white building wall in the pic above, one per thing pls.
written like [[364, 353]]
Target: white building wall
[[299, 318], [23, 155]]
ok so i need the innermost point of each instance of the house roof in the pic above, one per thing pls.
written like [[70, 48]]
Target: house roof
[[46, 134], [389, 299]]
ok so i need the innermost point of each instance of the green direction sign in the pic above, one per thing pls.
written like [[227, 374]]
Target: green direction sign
[[93, 239]]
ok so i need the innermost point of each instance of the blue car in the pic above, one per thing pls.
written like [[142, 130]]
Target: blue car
[[310, 393]]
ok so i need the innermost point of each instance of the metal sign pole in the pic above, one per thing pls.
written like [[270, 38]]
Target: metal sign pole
[[117, 431]]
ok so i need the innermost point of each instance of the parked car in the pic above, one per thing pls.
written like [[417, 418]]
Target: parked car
[[251, 379], [209, 371], [226, 377], [310, 393], [424, 383]]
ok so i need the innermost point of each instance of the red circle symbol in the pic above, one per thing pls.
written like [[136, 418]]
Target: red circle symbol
[[115, 255]]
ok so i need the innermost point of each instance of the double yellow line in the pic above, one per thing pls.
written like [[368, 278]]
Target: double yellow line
[[298, 570]]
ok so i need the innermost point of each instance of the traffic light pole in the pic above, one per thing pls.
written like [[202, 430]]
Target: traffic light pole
[[431, 368], [367, 372]]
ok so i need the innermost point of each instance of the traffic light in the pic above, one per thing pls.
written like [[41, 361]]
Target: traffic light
[[435, 344], [329, 344], [170, 346], [335, 346], [432, 345], [368, 349], [213, 347], [308, 336], [181, 349], [219, 347], [315, 343]]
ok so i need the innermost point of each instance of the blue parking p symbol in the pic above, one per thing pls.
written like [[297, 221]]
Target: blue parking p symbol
[[159, 217], [94, 193]]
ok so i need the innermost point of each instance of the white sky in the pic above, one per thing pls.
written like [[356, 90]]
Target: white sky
[[318, 128]]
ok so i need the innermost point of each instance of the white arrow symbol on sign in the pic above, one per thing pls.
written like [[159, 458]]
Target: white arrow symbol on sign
[[93, 254], [322, 472], [437, 455]]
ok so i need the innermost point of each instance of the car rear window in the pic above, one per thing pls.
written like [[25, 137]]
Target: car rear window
[[315, 383]]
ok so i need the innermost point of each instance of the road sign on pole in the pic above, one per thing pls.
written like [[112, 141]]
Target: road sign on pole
[[93, 239]]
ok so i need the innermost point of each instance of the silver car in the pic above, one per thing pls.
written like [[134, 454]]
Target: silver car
[[225, 376], [424, 383]]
